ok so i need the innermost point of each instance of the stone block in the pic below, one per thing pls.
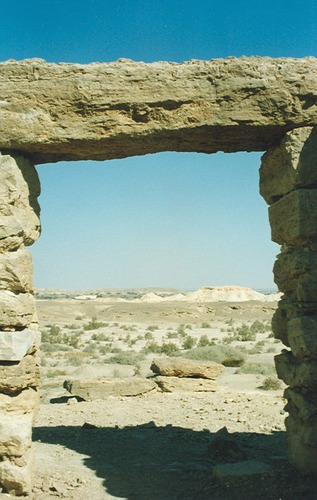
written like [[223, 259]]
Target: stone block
[[297, 271], [301, 405], [15, 479], [279, 325], [16, 310], [19, 210], [15, 433], [16, 376], [289, 165], [302, 336], [248, 469], [176, 384], [296, 373], [293, 218], [182, 367], [16, 271], [25, 401], [301, 454], [15, 345], [93, 389]]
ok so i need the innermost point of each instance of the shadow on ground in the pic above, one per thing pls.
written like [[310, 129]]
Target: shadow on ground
[[170, 463]]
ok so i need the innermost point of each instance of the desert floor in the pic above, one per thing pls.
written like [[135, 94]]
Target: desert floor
[[162, 445]]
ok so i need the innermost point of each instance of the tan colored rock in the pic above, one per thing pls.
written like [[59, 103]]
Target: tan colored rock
[[279, 325], [301, 454], [15, 433], [290, 165], [19, 210], [302, 335], [16, 479], [22, 402], [53, 112], [17, 376], [16, 310], [301, 405], [90, 390], [296, 271], [182, 367], [16, 271], [176, 384], [293, 218], [296, 373]]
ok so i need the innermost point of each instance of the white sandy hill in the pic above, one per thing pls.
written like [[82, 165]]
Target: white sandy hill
[[214, 294]]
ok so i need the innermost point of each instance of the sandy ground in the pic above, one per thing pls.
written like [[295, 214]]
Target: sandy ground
[[161, 446]]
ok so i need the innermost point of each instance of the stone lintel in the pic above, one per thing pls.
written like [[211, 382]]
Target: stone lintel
[[293, 218]]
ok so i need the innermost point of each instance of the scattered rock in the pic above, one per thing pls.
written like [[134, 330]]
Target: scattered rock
[[93, 389], [181, 367], [225, 448], [175, 384]]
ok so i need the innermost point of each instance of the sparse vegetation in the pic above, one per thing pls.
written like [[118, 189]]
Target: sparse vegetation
[[271, 384], [226, 355]]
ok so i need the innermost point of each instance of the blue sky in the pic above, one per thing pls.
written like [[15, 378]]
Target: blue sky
[[179, 220]]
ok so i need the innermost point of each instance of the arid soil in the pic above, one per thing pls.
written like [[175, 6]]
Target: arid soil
[[227, 444]]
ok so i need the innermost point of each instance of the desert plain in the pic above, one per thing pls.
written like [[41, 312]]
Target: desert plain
[[181, 437]]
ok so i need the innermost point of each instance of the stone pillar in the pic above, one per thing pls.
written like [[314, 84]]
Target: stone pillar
[[288, 183], [19, 335]]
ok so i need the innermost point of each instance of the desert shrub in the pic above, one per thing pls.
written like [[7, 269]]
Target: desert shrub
[[271, 350], [271, 384], [125, 358], [104, 349], [260, 327], [89, 348], [171, 335], [71, 327], [148, 335], [189, 342], [170, 349], [227, 355], [181, 331], [244, 333], [151, 347], [55, 373], [101, 337], [205, 325], [203, 341], [49, 347], [256, 369], [152, 328], [228, 339], [94, 324]]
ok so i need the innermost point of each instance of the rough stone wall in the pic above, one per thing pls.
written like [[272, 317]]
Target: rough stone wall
[[19, 336], [288, 182]]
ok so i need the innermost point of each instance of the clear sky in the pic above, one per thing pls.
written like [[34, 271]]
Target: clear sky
[[172, 219]]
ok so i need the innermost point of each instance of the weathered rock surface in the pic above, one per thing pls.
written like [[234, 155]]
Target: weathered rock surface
[[16, 271], [16, 478], [182, 367], [52, 112], [241, 470], [16, 310], [15, 376], [176, 384], [15, 434], [90, 390], [19, 209]]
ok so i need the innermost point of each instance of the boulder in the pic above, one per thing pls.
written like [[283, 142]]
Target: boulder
[[15, 345], [182, 367], [92, 389]]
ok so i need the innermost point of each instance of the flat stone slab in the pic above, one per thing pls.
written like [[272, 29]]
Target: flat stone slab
[[15, 345], [175, 384], [182, 367], [241, 470], [93, 389]]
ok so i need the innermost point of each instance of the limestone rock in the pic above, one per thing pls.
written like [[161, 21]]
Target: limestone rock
[[19, 210], [176, 384], [15, 345], [293, 218], [16, 310], [90, 390], [15, 433], [25, 401], [182, 367], [296, 271], [55, 112], [295, 373], [302, 335], [301, 454], [15, 376], [16, 271], [290, 165], [279, 325], [16, 480], [301, 405]]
